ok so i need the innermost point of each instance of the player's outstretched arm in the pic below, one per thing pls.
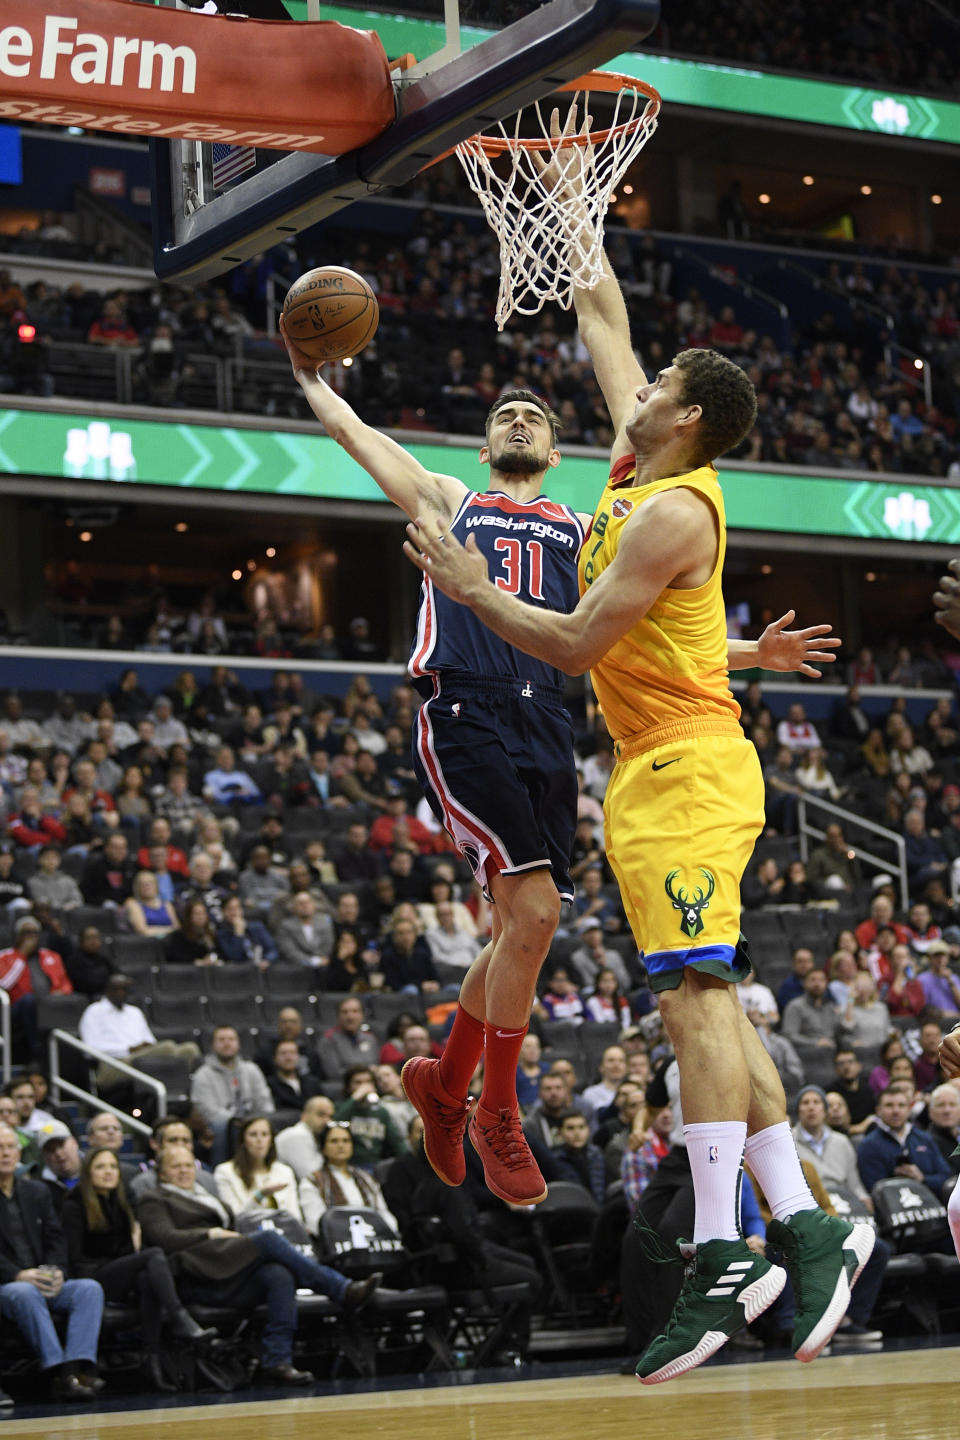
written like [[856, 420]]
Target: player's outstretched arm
[[675, 537], [781, 649], [400, 476], [601, 311]]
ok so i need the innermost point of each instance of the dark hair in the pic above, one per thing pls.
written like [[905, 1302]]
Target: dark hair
[[241, 1156], [523, 397], [569, 1115], [92, 1208], [726, 397], [351, 1073], [166, 1122], [334, 1125]]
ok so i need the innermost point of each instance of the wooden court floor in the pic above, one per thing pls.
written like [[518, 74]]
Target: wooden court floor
[[908, 1395]]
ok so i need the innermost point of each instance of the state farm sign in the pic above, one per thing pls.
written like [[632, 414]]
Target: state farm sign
[[113, 65]]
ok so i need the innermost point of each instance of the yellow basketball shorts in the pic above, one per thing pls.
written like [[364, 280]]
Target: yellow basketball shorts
[[682, 819]]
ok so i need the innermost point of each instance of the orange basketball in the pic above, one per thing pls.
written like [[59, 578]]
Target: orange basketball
[[331, 313]]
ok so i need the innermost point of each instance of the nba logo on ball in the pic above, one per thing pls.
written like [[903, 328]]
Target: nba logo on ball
[[713, 1154]]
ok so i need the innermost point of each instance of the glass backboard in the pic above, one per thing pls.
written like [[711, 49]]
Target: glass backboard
[[460, 67]]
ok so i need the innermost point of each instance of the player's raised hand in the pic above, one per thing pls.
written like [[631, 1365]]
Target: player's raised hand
[[458, 570], [562, 173], [946, 601], [299, 359], [781, 649]]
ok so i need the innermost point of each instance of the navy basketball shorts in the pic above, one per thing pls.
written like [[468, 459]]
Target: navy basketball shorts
[[495, 761]]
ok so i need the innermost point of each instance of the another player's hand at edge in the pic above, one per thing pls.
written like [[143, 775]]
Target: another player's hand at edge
[[460, 571], [782, 649], [946, 601], [302, 362], [950, 1054]]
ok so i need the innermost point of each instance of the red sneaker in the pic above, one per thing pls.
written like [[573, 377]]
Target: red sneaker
[[444, 1118], [508, 1166]]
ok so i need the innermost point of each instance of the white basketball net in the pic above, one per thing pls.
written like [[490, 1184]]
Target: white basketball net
[[551, 234]]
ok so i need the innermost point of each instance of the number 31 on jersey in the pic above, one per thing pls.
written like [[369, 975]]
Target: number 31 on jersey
[[519, 556]]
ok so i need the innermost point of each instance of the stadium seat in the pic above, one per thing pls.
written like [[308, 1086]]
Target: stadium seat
[[106, 920], [384, 1007], [171, 1071], [183, 980], [293, 983], [243, 1011], [176, 1017], [134, 951], [60, 1012], [233, 980]]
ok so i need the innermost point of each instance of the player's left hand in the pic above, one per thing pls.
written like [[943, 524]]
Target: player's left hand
[[950, 1054], [455, 569], [946, 601], [782, 649]]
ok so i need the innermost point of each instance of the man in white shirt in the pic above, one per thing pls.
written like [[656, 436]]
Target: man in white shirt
[[453, 951], [297, 1145], [613, 1071], [117, 1028], [796, 732], [167, 729], [754, 996]]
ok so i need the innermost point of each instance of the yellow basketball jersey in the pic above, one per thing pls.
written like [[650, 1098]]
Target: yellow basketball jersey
[[672, 666]]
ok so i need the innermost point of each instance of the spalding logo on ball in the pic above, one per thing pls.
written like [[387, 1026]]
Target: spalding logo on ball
[[331, 313]]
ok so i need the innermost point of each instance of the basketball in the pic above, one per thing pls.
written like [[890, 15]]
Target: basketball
[[331, 313]]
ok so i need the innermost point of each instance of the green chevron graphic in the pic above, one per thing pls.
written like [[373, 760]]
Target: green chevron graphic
[[266, 462]]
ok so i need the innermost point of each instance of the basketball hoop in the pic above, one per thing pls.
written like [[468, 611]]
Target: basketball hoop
[[551, 240]]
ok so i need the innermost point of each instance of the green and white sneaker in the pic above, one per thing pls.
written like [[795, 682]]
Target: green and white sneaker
[[824, 1256], [725, 1287]]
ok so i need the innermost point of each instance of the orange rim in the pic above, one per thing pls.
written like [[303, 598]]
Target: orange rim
[[599, 81]]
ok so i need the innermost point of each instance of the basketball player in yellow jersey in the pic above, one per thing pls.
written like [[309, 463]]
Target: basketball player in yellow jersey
[[683, 810]]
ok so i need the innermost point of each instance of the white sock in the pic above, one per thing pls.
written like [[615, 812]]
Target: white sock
[[772, 1156], [716, 1154]]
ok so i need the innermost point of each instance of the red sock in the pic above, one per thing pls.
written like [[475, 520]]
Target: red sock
[[461, 1054], [502, 1055]]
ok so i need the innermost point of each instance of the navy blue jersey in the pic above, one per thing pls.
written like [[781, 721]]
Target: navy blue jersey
[[531, 550]]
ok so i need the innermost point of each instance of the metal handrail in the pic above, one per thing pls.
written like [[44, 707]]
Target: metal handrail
[[850, 818], [6, 1035], [58, 1083]]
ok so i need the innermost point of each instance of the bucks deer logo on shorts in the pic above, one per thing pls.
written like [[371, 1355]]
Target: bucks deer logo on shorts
[[691, 910]]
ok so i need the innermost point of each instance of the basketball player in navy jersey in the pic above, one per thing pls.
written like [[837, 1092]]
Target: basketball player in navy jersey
[[493, 748]]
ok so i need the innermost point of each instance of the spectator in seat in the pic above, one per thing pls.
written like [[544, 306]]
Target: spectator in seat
[[33, 1285], [592, 904], [60, 1161], [104, 1132], [225, 783], [177, 805], [261, 884], [833, 867], [901, 991], [226, 1088], [406, 961], [943, 1126], [531, 1067], [255, 1179], [764, 887], [812, 1019], [305, 937], [26, 971], [452, 949], [195, 943], [31, 1118], [556, 1099], [577, 1160], [895, 1147], [754, 996], [32, 829], [365, 783], [647, 1143], [926, 1065], [613, 1132], [350, 1042], [866, 1017], [219, 1266], [290, 1084], [356, 861], [338, 1182], [926, 858], [592, 956], [203, 887], [161, 833], [49, 883], [103, 1244], [607, 1005], [145, 912], [289, 1027], [796, 731], [107, 876], [939, 984], [561, 999], [241, 941], [396, 824], [13, 892], [375, 1137], [112, 328], [297, 1145], [856, 1091], [613, 1071], [120, 1029]]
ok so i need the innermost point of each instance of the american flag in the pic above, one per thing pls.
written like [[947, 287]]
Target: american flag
[[229, 161]]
